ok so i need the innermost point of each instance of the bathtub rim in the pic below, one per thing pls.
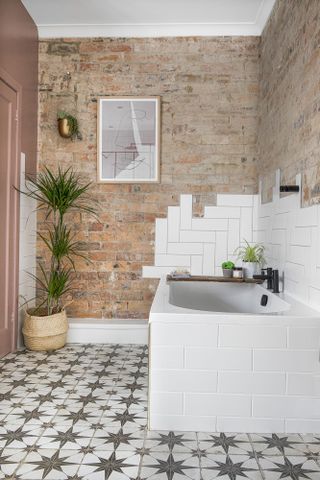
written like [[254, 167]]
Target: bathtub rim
[[162, 310]]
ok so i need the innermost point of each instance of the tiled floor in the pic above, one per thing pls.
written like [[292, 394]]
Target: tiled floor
[[81, 413]]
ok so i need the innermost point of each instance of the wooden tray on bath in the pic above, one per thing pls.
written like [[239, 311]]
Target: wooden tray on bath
[[204, 278]]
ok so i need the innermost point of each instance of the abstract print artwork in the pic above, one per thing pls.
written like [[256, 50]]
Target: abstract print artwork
[[128, 139]]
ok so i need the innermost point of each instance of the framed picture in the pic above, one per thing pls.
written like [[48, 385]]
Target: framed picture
[[128, 139]]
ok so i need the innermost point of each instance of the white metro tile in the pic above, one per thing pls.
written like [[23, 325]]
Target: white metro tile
[[167, 403], [209, 224], [251, 382], [218, 358], [173, 224], [314, 296], [221, 212], [185, 248], [182, 423], [293, 271], [256, 336], [172, 260], [250, 424], [196, 264], [234, 200], [280, 220], [278, 236], [286, 360], [301, 236], [215, 404], [156, 272], [208, 259], [303, 384], [184, 334], [184, 381], [293, 425], [233, 235], [246, 224], [286, 406], [297, 254], [221, 248], [304, 337], [167, 356], [185, 212], [306, 217], [161, 239], [193, 236]]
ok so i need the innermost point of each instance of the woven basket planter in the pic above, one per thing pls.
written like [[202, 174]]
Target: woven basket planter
[[45, 333]]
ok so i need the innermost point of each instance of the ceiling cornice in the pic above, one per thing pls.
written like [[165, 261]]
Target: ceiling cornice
[[210, 29], [263, 14], [150, 30]]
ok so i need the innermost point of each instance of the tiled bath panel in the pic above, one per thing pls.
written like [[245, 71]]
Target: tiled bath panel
[[81, 413]]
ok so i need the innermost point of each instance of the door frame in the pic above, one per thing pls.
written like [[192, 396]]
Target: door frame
[[17, 88]]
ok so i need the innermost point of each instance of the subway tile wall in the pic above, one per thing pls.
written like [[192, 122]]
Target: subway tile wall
[[290, 233], [292, 237], [201, 379], [200, 245]]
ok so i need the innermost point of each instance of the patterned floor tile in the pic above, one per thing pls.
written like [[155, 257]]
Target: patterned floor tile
[[313, 443], [292, 468], [129, 438], [50, 464], [225, 443], [171, 442], [277, 444], [229, 467], [10, 459], [169, 466], [81, 413], [106, 465]]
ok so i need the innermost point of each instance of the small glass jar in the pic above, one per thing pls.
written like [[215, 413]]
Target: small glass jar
[[237, 272]]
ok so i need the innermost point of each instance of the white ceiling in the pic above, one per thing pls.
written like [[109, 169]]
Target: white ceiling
[[89, 18]]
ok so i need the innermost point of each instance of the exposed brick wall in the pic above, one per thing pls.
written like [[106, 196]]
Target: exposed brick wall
[[209, 90], [290, 97]]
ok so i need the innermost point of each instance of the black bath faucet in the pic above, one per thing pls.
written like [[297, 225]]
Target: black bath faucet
[[272, 277]]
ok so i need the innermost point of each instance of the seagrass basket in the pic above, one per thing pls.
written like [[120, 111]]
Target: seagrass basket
[[45, 332]]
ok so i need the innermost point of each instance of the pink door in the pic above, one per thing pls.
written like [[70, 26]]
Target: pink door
[[8, 218]]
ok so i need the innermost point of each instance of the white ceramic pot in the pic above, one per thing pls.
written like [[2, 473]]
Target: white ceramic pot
[[250, 269]]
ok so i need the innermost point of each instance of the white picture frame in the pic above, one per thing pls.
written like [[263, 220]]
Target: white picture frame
[[128, 149]]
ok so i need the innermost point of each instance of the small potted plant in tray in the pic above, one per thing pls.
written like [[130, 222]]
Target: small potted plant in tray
[[57, 194], [227, 269], [252, 257]]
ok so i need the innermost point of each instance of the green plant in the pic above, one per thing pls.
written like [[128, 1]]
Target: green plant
[[251, 253], [228, 265], [58, 194], [72, 124]]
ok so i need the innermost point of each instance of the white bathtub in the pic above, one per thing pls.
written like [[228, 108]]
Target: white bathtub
[[220, 361], [218, 297]]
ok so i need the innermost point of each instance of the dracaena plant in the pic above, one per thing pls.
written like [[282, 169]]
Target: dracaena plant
[[58, 194], [251, 253]]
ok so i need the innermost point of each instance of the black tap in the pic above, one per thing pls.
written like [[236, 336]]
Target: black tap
[[272, 277], [275, 281]]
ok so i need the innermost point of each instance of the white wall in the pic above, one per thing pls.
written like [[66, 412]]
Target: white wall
[[290, 233], [27, 249], [200, 245], [292, 237]]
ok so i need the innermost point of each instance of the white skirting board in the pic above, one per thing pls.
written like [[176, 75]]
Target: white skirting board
[[95, 330]]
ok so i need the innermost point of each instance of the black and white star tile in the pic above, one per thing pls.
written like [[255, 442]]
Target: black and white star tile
[[81, 414], [229, 467]]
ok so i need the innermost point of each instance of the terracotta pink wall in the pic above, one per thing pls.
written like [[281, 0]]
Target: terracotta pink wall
[[19, 58]]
